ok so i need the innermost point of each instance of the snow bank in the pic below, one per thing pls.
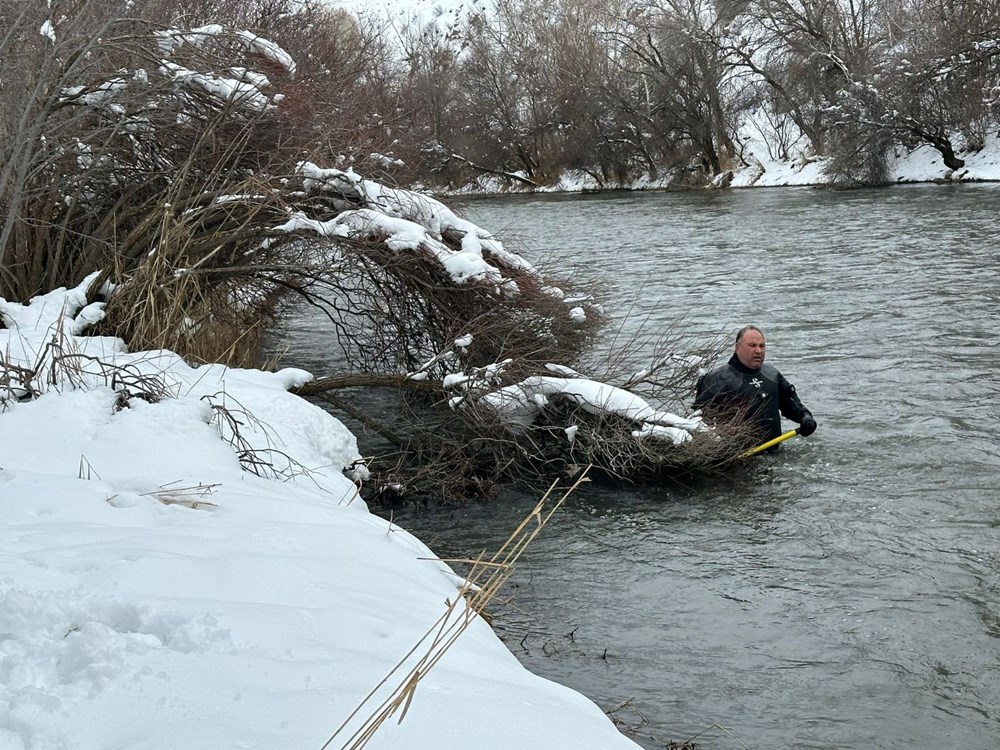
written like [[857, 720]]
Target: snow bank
[[156, 594]]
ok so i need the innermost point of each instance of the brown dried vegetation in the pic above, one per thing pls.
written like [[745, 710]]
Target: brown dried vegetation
[[158, 160]]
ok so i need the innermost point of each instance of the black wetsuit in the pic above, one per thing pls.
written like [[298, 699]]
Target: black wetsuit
[[764, 394]]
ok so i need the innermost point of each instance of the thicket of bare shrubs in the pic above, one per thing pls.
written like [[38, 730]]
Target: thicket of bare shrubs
[[141, 145]]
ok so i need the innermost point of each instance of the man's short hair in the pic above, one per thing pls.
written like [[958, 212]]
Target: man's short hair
[[744, 329]]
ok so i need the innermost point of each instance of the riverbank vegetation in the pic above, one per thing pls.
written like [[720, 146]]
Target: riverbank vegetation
[[197, 175], [683, 92]]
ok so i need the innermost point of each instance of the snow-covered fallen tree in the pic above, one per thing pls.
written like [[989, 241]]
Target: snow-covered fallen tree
[[563, 420]]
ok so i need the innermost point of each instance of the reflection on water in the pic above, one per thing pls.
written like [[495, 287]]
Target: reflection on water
[[846, 592]]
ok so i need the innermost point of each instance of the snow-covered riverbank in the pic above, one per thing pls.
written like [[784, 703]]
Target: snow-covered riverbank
[[154, 593], [922, 165]]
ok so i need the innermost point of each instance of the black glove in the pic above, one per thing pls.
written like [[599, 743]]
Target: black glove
[[807, 426]]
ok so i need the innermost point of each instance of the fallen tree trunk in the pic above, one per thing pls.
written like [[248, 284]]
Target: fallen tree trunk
[[319, 386]]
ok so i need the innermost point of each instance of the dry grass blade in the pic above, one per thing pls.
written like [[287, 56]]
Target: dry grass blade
[[189, 497], [483, 582]]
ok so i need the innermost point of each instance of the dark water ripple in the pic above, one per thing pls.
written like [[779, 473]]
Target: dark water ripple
[[847, 593]]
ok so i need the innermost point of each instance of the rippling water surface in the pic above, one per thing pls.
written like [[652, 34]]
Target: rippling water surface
[[846, 594]]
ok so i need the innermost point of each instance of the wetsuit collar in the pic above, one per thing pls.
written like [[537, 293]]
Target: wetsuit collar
[[735, 363]]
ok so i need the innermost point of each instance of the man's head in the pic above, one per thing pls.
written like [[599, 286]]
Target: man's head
[[750, 347]]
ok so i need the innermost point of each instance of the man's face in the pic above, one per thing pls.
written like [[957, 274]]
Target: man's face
[[750, 350]]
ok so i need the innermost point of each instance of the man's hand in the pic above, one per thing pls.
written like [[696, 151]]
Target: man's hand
[[807, 426]]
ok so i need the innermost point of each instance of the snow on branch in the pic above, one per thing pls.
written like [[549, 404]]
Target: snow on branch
[[244, 91], [401, 234], [520, 404], [407, 220], [242, 86], [173, 39], [268, 49], [434, 216]]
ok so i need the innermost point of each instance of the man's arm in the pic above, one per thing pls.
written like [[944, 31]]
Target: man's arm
[[792, 408]]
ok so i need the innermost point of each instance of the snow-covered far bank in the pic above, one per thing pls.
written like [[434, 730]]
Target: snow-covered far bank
[[185, 564], [922, 165]]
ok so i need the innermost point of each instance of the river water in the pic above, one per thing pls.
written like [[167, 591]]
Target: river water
[[846, 592]]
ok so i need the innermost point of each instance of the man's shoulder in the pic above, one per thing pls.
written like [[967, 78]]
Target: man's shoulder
[[722, 373], [723, 367], [715, 372], [769, 371]]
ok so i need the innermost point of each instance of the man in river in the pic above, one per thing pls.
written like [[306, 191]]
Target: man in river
[[748, 387]]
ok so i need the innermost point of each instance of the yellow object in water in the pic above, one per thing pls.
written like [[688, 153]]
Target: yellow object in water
[[774, 441]]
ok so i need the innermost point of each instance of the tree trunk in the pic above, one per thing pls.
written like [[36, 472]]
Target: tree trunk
[[942, 144], [948, 154]]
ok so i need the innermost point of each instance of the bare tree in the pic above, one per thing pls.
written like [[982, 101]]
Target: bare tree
[[942, 76], [672, 47], [806, 52]]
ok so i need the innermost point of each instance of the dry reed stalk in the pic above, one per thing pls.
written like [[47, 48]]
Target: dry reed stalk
[[482, 584], [189, 497]]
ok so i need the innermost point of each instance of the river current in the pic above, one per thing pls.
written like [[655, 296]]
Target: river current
[[845, 593]]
